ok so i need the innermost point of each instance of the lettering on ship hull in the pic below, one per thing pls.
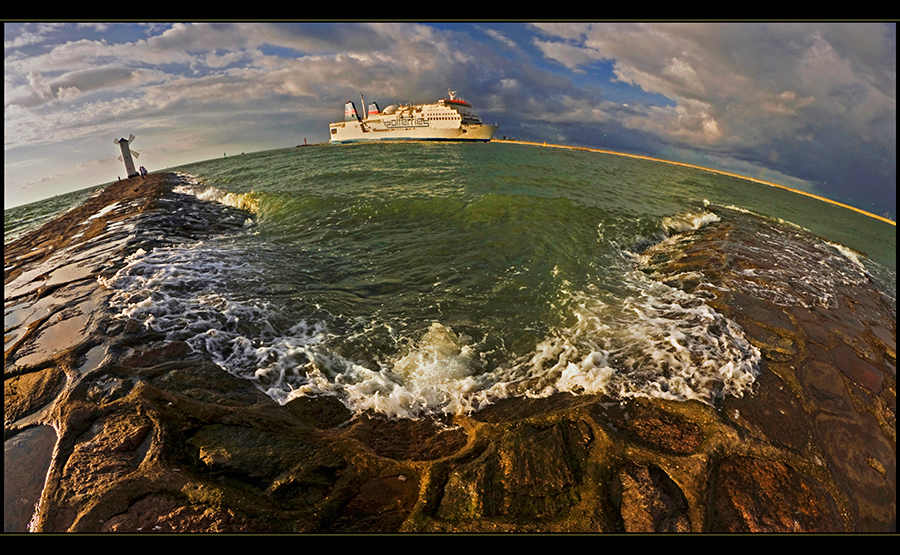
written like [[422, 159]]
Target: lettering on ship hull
[[406, 122]]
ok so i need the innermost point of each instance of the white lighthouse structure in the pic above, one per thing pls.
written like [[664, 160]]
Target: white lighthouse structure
[[126, 155]]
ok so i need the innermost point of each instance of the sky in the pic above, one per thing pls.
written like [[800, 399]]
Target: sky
[[808, 105]]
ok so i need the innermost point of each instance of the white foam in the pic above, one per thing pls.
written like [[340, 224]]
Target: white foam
[[434, 375], [659, 342], [688, 221], [801, 270], [243, 201], [181, 291], [850, 254], [650, 340]]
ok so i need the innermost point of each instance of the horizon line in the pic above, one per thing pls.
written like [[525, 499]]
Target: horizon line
[[729, 174]]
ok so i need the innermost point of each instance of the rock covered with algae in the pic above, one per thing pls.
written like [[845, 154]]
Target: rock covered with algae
[[111, 428]]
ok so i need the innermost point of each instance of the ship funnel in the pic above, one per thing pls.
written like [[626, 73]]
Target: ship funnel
[[350, 112], [373, 109]]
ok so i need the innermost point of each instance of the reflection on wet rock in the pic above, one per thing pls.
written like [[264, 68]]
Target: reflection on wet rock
[[153, 436]]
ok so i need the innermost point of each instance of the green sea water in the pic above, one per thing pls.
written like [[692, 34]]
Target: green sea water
[[410, 278]]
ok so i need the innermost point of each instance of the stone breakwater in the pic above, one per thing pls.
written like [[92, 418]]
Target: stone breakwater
[[110, 428]]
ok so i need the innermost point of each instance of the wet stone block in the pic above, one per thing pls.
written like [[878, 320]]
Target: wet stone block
[[652, 426], [864, 463], [810, 325], [541, 468], [759, 310], [824, 386], [774, 348], [160, 513], [157, 354], [532, 473], [753, 495], [25, 394], [649, 501], [321, 412], [473, 490], [886, 338], [381, 505], [26, 459], [415, 440], [110, 450], [772, 412], [857, 369], [253, 454]]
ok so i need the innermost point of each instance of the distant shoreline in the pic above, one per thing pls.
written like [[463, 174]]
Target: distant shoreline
[[729, 174]]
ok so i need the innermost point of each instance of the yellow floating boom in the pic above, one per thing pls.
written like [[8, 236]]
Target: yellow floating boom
[[883, 219]]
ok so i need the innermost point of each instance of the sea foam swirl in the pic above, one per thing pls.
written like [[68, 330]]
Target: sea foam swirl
[[649, 340]]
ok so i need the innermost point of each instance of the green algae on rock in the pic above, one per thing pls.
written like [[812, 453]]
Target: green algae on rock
[[151, 436]]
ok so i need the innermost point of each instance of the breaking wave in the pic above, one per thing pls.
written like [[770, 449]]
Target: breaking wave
[[646, 340]]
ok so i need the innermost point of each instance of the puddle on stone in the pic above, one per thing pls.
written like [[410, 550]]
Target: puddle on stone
[[26, 460], [58, 336], [105, 249], [11, 337], [18, 318], [92, 359], [26, 312], [62, 267], [69, 273], [105, 211], [26, 282]]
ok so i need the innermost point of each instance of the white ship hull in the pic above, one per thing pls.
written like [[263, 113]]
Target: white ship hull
[[448, 119], [349, 133]]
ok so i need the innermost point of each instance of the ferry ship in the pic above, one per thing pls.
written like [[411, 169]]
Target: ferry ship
[[448, 119]]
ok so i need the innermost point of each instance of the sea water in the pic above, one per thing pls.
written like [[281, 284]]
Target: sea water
[[418, 278]]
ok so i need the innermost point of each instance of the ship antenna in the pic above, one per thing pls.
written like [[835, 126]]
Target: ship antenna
[[365, 111]]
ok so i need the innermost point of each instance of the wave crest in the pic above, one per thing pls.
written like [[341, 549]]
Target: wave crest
[[249, 202]]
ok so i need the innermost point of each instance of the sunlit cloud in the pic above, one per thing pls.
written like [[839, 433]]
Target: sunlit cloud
[[739, 91]]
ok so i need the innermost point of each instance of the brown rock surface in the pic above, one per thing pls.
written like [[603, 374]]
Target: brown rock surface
[[649, 501], [753, 495], [152, 438]]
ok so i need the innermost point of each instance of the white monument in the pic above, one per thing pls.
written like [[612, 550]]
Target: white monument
[[126, 155]]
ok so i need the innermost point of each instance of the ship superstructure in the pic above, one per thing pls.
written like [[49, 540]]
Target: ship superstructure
[[448, 119]]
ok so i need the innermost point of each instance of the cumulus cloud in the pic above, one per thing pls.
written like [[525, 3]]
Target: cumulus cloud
[[501, 38], [38, 86], [787, 103], [569, 55], [188, 72], [756, 82], [749, 90], [68, 94]]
